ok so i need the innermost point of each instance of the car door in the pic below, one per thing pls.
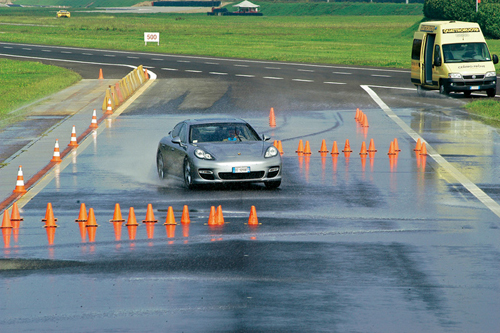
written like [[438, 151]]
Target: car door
[[168, 150], [179, 151]]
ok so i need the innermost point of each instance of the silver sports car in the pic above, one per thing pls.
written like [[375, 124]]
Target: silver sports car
[[207, 151]]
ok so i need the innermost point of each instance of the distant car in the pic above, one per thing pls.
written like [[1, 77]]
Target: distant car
[[218, 151], [63, 13]]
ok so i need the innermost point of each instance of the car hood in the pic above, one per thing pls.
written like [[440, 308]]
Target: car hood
[[223, 150]]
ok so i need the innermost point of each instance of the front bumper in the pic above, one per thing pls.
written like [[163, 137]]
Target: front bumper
[[470, 84], [209, 172]]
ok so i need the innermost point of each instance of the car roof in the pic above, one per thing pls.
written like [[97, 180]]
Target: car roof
[[214, 120]]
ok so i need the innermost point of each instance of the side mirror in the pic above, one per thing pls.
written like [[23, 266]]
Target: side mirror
[[176, 140], [265, 137], [437, 62], [495, 59]]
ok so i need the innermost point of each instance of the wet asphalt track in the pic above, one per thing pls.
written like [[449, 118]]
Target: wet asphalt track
[[344, 244]]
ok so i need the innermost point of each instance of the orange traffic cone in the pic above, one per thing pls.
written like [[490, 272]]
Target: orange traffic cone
[[73, 142], [185, 215], [364, 122], [418, 146], [219, 216], [356, 117], [363, 149], [146, 75], [100, 74], [252, 219], [15, 218], [170, 216], [93, 123], [323, 147], [20, 182], [82, 221], [280, 147], [56, 157], [50, 220], [272, 118], [6, 223], [117, 222], [307, 149], [423, 151], [150, 221], [396, 145], [109, 108], [347, 147], [335, 150], [300, 148], [391, 149], [371, 147], [212, 219], [131, 224], [91, 225]]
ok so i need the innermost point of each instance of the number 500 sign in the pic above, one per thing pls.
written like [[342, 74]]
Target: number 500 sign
[[151, 37]]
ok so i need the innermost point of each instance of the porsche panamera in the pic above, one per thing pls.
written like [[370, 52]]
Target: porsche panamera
[[218, 151]]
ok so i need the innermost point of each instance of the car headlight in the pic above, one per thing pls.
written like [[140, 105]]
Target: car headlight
[[271, 152], [491, 74], [201, 154], [455, 76]]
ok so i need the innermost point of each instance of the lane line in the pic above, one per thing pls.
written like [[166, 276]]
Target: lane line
[[305, 70], [88, 54], [244, 75], [109, 55], [328, 82], [272, 67], [217, 73], [387, 87], [272, 78], [342, 73], [211, 63], [193, 71], [157, 59], [46, 51], [27, 48], [237, 65], [380, 75], [302, 80], [170, 69], [130, 57], [183, 61], [66, 52], [454, 172]]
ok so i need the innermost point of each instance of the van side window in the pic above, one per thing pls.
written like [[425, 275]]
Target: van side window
[[415, 51], [437, 53]]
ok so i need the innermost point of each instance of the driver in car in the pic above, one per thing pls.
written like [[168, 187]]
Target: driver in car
[[232, 136]]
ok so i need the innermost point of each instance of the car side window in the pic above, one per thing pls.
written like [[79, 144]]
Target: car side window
[[176, 130], [183, 133]]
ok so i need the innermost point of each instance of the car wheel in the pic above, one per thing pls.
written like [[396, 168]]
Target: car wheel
[[273, 184], [160, 167], [188, 179], [467, 93], [443, 90], [491, 92]]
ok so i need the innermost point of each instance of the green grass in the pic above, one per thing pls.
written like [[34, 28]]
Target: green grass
[[487, 110], [24, 82]]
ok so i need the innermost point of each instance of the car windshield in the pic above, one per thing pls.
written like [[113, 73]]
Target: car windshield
[[222, 132], [466, 52]]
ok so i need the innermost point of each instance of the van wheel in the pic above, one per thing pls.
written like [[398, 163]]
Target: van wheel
[[491, 92], [443, 90], [420, 91]]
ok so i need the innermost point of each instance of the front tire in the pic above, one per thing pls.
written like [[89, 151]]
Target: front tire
[[491, 92], [188, 179], [160, 166], [443, 90]]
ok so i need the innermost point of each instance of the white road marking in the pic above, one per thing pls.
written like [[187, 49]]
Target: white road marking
[[305, 70], [27, 48], [211, 63], [273, 78], [217, 73], [245, 75], [66, 52], [342, 73], [327, 82], [170, 69], [469, 185], [379, 75], [109, 55], [183, 61], [8, 47], [130, 57], [89, 54], [302, 80], [400, 88], [46, 51], [157, 59], [272, 67], [193, 71], [241, 65]]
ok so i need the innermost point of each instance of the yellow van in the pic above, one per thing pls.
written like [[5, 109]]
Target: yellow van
[[452, 57]]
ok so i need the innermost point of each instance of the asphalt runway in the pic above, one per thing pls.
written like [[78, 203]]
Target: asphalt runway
[[345, 244]]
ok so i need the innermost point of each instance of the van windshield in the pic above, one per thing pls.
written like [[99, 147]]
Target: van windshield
[[466, 52]]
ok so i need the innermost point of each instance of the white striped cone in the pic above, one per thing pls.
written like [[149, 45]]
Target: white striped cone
[[20, 182], [109, 109], [73, 142], [57, 155], [93, 124]]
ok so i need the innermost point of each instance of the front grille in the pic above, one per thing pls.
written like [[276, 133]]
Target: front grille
[[241, 176], [473, 77]]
